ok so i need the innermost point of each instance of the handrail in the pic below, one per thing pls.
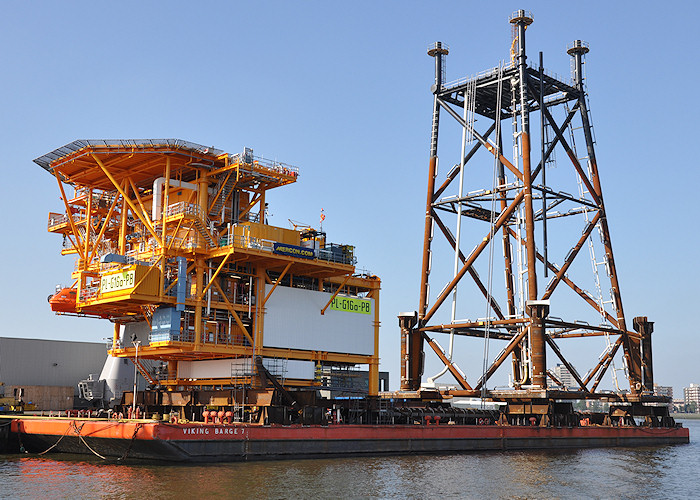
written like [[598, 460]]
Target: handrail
[[260, 163]]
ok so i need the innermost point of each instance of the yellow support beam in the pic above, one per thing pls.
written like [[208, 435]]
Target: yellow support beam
[[216, 273], [133, 207], [323, 311], [279, 279], [69, 214], [103, 228]]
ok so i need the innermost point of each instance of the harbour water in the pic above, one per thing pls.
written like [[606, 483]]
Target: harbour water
[[639, 473]]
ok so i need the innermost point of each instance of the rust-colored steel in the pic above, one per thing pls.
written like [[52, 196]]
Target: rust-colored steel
[[568, 365], [472, 272], [450, 366], [521, 318], [502, 219], [571, 256], [427, 238], [645, 328], [570, 283], [501, 357]]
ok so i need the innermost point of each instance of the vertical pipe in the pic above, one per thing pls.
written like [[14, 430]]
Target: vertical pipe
[[209, 274], [122, 227], [437, 52], [537, 342], [88, 224], [374, 365], [163, 238], [199, 284], [544, 168], [136, 359], [415, 342], [259, 311], [116, 335]]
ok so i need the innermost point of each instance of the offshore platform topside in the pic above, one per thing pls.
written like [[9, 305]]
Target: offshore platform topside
[[215, 307], [230, 318]]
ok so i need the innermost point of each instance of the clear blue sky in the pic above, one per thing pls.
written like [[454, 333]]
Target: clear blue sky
[[342, 91]]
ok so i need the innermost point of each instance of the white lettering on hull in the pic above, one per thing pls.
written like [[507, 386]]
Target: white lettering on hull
[[206, 431]]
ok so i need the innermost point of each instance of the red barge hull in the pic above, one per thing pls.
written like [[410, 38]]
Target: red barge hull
[[196, 442]]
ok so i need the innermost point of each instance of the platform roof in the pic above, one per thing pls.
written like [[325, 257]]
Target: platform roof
[[126, 157], [45, 161]]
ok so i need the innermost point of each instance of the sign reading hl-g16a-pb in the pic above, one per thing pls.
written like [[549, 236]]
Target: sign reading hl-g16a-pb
[[117, 281], [293, 251], [351, 304]]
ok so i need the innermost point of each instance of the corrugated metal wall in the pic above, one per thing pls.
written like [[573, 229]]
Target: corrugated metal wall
[[48, 362]]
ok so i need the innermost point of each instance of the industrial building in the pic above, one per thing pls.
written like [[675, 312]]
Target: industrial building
[[48, 370]]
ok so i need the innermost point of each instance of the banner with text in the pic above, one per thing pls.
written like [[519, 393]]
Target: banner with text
[[293, 251]]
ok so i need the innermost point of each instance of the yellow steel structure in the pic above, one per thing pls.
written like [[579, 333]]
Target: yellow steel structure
[[144, 211]]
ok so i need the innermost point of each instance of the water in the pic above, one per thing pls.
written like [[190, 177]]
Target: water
[[639, 473]]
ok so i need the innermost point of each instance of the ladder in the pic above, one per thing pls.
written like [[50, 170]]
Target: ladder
[[595, 263]]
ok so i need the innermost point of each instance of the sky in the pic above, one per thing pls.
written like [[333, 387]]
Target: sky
[[342, 90]]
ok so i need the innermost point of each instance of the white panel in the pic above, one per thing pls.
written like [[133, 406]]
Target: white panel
[[224, 368], [293, 320]]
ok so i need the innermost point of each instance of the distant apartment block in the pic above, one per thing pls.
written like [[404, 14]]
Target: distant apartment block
[[663, 390], [692, 395], [564, 375]]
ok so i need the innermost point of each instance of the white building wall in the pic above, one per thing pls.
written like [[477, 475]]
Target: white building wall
[[692, 394], [225, 368], [293, 320]]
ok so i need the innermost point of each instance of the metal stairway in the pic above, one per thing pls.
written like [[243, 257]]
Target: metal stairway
[[224, 192], [203, 230]]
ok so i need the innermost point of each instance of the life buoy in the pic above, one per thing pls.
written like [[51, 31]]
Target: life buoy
[[481, 421], [121, 416]]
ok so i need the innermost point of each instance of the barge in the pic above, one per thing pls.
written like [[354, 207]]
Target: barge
[[248, 336], [199, 442]]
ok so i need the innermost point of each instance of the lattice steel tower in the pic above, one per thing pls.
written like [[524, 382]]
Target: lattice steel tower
[[525, 201]]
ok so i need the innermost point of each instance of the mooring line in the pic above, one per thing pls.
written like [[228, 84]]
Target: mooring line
[[77, 431], [56, 443], [133, 438]]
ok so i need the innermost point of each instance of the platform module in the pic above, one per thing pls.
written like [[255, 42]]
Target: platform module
[[172, 244]]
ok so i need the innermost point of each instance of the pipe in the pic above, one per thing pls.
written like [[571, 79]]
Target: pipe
[[157, 190]]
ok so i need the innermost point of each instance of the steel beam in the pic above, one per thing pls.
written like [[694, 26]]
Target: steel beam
[[502, 219]]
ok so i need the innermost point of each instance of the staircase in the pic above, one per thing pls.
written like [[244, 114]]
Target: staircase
[[203, 230], [144, 371], [224, 191]]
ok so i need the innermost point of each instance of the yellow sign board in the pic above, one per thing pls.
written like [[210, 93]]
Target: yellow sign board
[[351, 304], [118, 281]]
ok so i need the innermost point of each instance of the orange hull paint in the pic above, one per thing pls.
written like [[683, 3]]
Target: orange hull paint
[[237, 442]]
